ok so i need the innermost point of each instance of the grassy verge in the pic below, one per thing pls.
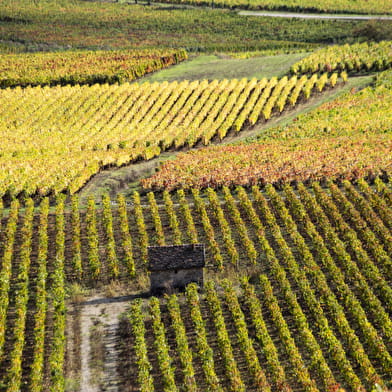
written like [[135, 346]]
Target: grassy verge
[[219, 67]]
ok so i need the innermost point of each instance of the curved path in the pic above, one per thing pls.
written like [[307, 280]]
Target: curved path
[[312, 16]]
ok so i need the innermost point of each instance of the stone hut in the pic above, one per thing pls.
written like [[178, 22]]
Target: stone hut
[[173, 267]]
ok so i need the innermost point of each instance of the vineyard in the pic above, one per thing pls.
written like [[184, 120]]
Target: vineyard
[[355, 58], [64, 24], [346, 138], [344, 157], [83, 67], [276, 170], [59, 137], [330, 244]]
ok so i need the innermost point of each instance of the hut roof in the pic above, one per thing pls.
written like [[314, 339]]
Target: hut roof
[[174, 257]]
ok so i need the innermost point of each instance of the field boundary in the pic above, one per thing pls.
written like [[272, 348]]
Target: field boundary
[[313, 16]]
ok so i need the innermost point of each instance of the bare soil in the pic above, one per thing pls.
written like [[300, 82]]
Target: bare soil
[[98, 322]]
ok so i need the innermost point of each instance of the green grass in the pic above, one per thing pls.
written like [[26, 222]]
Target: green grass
[[218, 67], [124, 179]]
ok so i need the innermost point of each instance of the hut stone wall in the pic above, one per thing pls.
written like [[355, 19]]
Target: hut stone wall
[[166, 281], [173, 267]]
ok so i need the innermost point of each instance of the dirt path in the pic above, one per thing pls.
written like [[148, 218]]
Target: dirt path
[[116, 179], [313, 16], [100, 374]]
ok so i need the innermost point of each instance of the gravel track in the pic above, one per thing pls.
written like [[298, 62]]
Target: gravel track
[[313, 16]]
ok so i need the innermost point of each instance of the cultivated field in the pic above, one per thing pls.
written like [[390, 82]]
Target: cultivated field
[[275, 154], [64, 24], [83, 67], [351, 58], [344, 138], [320, 244], [62, 136]]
